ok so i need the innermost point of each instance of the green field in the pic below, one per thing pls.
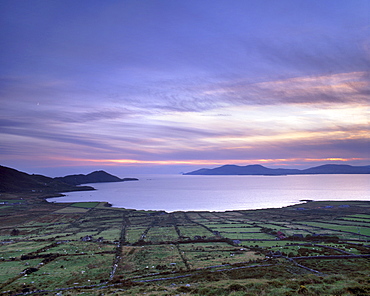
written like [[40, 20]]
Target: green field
[[91, 249], [85, 204]]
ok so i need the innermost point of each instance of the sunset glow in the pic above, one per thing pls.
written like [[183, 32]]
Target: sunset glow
[[118, 162], [174, 86]]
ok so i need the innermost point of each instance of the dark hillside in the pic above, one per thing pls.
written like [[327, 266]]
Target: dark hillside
[[12, 180], [94, 177]]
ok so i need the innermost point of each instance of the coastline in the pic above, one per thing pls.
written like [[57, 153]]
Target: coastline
[[173, 193]]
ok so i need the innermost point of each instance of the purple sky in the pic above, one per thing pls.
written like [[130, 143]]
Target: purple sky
[[172, 86]]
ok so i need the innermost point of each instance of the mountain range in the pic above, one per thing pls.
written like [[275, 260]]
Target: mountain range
[[12, 181], [261, 170]]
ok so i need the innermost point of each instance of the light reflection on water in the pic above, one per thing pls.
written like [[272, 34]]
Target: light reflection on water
[[220, 193]]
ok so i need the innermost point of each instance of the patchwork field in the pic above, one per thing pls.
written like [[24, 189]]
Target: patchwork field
[[318, 248]]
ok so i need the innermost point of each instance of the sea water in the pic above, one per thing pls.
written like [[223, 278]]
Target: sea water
[[221, 193]]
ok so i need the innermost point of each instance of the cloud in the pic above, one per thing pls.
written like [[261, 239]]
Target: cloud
[[278, 150], [178, 81], [342, 88]]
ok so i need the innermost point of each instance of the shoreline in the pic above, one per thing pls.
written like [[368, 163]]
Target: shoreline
[[173, 193], [326, 204]]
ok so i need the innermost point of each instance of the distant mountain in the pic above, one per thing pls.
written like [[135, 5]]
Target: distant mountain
[[94, 177], [261, 170], [13, 181], [243, 170], [338, 169]]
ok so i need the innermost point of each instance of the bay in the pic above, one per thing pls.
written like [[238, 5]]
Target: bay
[[221, 193]]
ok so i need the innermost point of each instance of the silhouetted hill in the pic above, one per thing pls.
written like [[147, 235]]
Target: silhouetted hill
[[338, 169], [94, 177], [12, 180], [243, 170], [261, 170]]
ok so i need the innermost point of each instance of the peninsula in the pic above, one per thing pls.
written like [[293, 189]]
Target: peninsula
[[13, 181]]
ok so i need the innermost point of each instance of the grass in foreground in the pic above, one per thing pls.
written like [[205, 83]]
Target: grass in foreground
[[86, 248]]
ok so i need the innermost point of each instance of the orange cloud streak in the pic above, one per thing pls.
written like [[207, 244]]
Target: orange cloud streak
[[202, 162]]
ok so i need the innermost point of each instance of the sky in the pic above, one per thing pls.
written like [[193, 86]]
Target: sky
[[171, 86]]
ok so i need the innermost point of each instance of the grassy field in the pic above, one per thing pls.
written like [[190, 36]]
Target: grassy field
[[92, 249]]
